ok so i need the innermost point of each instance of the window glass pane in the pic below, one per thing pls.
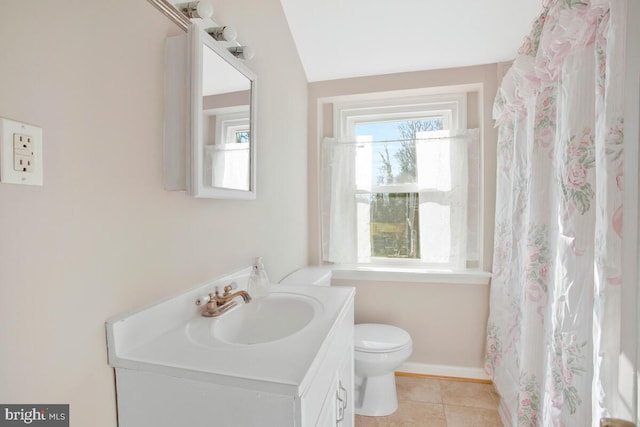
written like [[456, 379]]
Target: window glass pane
[[394, 225], [242, 136], [394, 162]]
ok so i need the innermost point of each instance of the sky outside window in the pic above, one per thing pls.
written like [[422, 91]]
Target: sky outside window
[[391, 131]]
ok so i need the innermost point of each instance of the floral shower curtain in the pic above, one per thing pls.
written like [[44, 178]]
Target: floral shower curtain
[[552, 335]]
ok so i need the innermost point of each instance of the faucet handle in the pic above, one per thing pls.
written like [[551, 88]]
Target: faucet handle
[[231, 286], [203, 299]]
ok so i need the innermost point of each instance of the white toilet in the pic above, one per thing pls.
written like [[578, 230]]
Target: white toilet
[[379, 350]]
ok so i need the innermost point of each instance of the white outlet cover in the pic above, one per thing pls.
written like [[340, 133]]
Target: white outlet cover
[[8, 174]]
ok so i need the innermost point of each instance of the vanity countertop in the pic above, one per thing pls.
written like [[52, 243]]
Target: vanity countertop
[[148, 340]]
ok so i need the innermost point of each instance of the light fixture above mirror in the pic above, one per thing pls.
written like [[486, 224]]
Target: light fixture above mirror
[[201, 12]]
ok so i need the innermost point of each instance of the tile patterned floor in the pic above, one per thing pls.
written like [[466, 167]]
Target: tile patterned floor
[[434, 402]]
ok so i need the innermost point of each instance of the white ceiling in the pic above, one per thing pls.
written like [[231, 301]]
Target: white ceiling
[[349, 38]]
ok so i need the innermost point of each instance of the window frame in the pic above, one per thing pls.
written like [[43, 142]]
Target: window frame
[[348, 113], [452, 107], [227, 124]]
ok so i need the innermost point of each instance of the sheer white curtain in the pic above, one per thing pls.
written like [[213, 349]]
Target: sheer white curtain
[[443, 178], [441, 184], [557, 251], [339, 213], [228, 165]]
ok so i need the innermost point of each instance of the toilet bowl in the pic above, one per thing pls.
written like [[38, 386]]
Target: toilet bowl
[[378, 350]]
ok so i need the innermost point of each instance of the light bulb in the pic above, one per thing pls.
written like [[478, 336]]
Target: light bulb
[[247, 53], [223, 33], [204, 9], [196, 9], [229, 34]]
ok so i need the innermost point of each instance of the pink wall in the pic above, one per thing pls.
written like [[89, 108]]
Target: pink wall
[[102, 236]]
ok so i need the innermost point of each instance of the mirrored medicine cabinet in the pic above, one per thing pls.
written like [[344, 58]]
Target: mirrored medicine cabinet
[[209, 134]]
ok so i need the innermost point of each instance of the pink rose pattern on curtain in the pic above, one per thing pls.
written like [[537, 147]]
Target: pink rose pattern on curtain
[[557, 250]]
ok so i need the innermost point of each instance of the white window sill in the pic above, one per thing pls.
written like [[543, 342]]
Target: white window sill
[[410, 274]]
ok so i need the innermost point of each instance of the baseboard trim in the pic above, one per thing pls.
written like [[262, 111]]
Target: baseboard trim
[[460, 373]]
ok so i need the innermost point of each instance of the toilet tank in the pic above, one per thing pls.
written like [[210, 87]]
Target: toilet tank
[[318, 276]]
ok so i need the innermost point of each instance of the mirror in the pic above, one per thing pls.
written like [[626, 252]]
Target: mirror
[[222, 135], [209, 135], [226, 130]]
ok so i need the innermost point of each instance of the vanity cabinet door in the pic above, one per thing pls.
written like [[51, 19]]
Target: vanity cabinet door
[[328, 412], [344, 392], [337, 409], [333, 379]]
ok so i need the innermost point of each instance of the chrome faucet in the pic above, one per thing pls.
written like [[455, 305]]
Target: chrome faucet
[[219, 304]]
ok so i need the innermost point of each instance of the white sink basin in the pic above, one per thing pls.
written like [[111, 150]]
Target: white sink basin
[[263, 320]]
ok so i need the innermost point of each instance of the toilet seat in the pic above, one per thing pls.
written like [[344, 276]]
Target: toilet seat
[[378, 338]]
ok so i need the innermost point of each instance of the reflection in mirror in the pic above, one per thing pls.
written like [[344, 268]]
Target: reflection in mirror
[[226, 133], [222, 163]]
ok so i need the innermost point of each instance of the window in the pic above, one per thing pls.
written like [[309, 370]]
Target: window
[[233, 128], [401, 184]]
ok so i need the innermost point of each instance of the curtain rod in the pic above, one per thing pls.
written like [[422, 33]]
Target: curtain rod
[[402, 140], [471, 134], [385, 141]]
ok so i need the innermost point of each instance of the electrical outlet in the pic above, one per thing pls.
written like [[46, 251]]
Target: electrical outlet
[[21, 157], [22, 142]]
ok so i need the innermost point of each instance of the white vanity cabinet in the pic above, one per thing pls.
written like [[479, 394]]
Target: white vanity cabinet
[[166, 379]]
